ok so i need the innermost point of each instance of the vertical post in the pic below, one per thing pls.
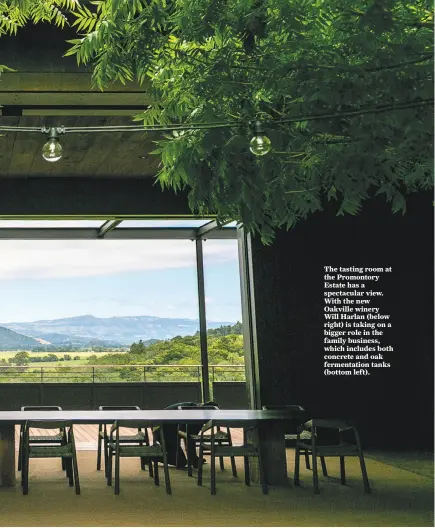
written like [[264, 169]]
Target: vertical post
[[202, 320], [250, 344]]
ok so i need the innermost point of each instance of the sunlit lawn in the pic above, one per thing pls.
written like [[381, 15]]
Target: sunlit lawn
[[84, 356], [6, 354]]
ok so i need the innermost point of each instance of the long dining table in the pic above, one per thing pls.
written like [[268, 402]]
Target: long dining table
[[270, 425]]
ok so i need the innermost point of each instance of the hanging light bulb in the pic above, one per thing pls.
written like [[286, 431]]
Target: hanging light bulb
[[52, 150], [260, 144]]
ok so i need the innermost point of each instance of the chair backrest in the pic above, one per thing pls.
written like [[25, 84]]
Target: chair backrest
[[297, 408], [133, 424], [41, 408], [339, 425], [181, 404], [233, 424], [118, 408], [186, 407]]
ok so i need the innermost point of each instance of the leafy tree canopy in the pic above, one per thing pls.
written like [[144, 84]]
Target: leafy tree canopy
[[21, 358], [342, 87]]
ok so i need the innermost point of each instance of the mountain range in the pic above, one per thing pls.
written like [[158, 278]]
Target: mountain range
[[88, 330]]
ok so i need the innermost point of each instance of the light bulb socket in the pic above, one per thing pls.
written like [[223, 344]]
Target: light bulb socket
[[53, 132], [258, 128]]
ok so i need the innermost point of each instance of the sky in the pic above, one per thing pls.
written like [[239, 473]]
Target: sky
[[51, 279]]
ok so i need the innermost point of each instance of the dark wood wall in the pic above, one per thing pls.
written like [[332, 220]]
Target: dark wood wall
[[393, 407]]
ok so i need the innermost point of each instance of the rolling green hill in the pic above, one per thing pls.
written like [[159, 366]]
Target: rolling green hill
[[10, 340]]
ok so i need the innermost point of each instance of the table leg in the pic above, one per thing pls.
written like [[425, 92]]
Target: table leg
[[272, 445], [7, 455]]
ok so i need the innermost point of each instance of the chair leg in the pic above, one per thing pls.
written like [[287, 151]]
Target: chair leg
[[189, 459], [233, 466], [67, 471], [166, 472], [69, 465], [76, 472], [108, 467], [213, 474], [323, 464], [117, 463], [221, 460], [200, 464], [99, 453], [63, 442], [247, 471], [263, 482], [307, 461], [25, 473], [233, 460], [150, 468], [342, 471], [315, 475], [156, 473], [297, 462], [177, 452], [364, 473], [106, 454], [20, 451]]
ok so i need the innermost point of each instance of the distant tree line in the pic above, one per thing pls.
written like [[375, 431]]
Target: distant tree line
[[24, 358], [225, 346]]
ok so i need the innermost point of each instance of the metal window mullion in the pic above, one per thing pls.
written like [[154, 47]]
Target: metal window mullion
[[250, 344], [202, 320]]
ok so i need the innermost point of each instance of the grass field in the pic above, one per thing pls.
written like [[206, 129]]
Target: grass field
[[72, 363]]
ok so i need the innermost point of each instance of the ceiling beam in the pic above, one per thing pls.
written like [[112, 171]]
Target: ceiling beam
[[85, 99], [206, 229], [58, 81], [172, 233], [150, 233], [107, 227], [70, 110], [211, 229]]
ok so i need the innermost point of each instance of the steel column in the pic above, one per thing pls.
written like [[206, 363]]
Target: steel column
[[202, 320], [250, 344]]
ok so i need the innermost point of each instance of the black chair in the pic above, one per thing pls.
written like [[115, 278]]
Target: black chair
[[246, 450], [189, 433], [67, 451], [175, 454], [155, 452], [57, 439], [291, 434], [346, 442], [141, 437]]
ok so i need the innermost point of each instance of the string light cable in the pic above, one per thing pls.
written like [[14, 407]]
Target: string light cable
[[259, 145]]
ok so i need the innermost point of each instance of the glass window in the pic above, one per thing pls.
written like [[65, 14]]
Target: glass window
[[223, 310]]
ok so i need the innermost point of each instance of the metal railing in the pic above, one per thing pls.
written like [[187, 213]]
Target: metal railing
[[227, 373], [117, 373]]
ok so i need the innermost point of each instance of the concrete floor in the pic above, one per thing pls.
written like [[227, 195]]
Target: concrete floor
[[399, 498]]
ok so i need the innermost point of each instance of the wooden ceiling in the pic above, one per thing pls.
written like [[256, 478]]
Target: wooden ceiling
[[48, 89], [115, 154]]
